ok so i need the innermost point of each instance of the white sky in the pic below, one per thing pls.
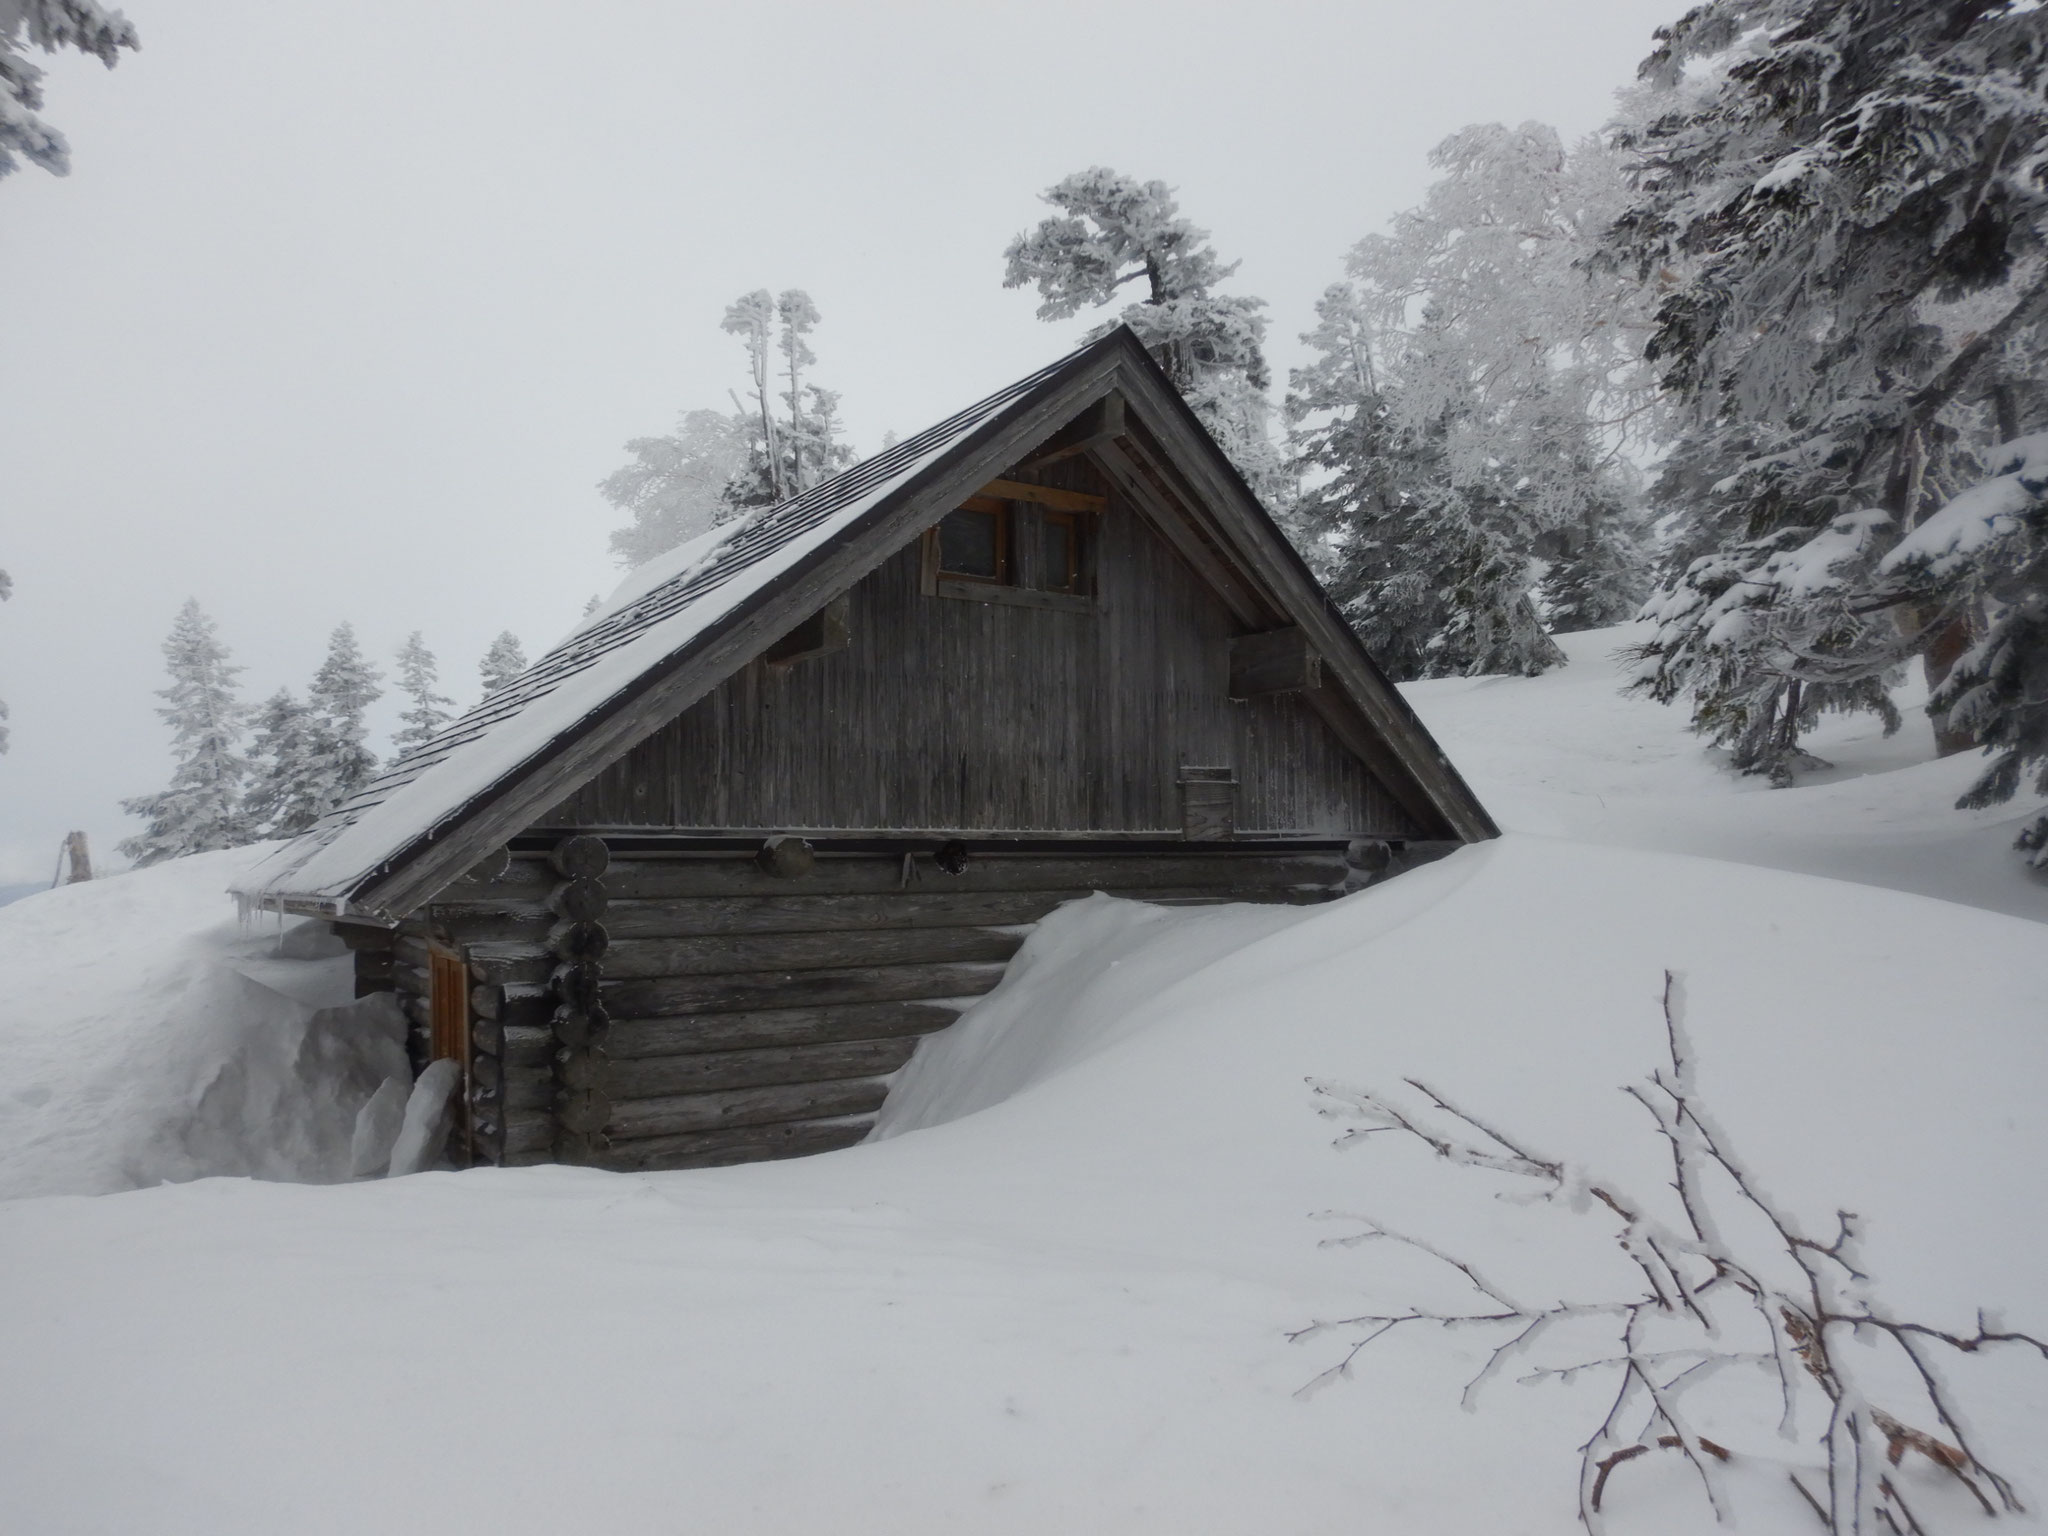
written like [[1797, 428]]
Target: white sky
[[344, 310]]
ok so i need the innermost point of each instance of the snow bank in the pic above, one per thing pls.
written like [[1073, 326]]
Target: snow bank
[[149, 1036], [1065, 1310]]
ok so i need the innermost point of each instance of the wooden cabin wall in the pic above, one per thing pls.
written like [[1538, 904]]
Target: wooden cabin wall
[[946, 714], [750, 1016]]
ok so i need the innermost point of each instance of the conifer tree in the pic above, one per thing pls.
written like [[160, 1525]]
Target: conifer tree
[[1112, 231], [340, 697], [426, 710], [286, 777], [763, 480], [797, 317], [48, 25], [1519, 367], [1987, 551], [202, 808], [785, 454], [1418, 562], [503, 662], [1843, 209]]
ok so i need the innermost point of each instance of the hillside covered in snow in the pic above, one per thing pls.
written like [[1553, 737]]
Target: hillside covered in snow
[[1055, 1291]]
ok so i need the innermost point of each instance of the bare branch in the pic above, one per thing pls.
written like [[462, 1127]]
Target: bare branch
[[1678, 1268]]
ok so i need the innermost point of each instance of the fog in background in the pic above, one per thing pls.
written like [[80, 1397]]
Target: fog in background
[[344, 310]]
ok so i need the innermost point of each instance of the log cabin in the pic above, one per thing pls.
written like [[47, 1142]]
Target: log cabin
[[691, 890]]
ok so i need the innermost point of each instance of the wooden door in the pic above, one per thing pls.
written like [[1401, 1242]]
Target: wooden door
[[448, 1003]]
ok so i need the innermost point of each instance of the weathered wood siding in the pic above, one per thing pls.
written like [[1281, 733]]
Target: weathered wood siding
[[748, 1016], [950, 715]]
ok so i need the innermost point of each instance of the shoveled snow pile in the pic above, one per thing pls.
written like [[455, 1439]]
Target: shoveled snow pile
[[1053, 1294], [148, 1035]]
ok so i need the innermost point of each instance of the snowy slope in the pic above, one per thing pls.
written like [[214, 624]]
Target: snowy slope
[[1053, 1294], [1566, 755]]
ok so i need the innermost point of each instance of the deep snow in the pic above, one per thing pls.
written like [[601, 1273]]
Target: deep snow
[[1053, 1294], [148, 1035]]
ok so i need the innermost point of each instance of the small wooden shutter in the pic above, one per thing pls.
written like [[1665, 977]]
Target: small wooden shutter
[[1208, 803]]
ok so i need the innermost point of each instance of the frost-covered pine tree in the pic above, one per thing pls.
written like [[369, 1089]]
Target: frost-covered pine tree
[[796, 317], [674, 488], [426, 710], [762, 479], [1498, 343], [504, 661], [1987, 551], [1843, 209], [287, 776], [340, 696], [48, 25], [1112, 231], [785, 454], [202, 808], [1413, 560]]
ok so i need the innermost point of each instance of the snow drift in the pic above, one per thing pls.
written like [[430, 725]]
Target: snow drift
[[149, 1036]]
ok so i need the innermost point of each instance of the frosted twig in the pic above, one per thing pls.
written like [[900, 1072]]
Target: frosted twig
[[1678, 1266]]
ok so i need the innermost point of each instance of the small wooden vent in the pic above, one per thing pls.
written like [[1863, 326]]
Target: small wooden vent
[[1208, 804]]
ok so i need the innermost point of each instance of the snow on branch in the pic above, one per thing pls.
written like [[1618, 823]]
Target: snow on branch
[[1734, 1281]]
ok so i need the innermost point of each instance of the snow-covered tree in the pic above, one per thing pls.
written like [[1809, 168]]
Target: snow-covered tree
[[1843, 209], [1415, 561], [762, 481], [505, 660], [341, 694], [1496, 339], [426, 710], [674, 489], [287, 777], [48, 25], [796, 317], [202, 808], [788, 454], [1987, 551], [1111, 231]]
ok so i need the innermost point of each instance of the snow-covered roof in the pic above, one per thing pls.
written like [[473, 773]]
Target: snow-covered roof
[[365, 857]]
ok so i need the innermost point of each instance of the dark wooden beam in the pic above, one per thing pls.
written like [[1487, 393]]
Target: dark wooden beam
[[1045, 496]]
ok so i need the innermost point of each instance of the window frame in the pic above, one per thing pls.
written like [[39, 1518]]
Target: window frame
[[1021, 522], [1077, 565], [1006, 554]]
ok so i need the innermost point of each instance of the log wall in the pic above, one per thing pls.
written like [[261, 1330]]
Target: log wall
[[739, 1014]]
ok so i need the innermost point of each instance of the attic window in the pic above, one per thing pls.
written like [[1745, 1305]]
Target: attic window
[[1060, 552], [1031, 546], [974, 542]]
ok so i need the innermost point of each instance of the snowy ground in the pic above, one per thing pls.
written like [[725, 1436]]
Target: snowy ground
[[1054, 1296]]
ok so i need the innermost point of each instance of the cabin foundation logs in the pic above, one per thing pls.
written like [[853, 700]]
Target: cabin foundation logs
[[578, 941]]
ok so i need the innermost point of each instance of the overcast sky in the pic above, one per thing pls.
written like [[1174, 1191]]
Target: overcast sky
[[344, 310]]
